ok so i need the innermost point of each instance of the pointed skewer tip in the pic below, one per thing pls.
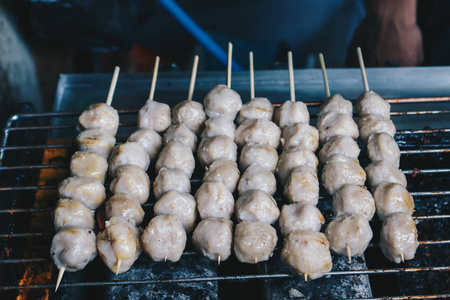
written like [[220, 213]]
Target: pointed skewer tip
[[165, 258], [218, 259], [119, 263], [349, 253], [402, 257], [306, 277], [60, 276]]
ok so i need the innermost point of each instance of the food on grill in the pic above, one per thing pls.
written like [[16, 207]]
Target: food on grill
[[302, 135], [155, 116], [258, 131], [164, 238], [256, 108], [336, 104], [149, 140], [88, 164], [254, 241], [213, 148], [191, 114], [213, 238], [382, 171], [292, 158], [291, 112], [70, 213], [334, 124], [354, 199], [119, 245], [86, 190], [256, 206], [371, 103], [340, 170], [382, 146], [225, 171], [125, 207], [214, 200], [218, 126], [340, 144], [176, 155], [302, 186], [179, 204], [256, 177], [133, 181], [261, 155], [391, 198], [181, 133], [307, 253], [96, 140], [300, 216], [222, 101], [171, 179], [398, 239], [100, 115], [370, 124], [129, 153]]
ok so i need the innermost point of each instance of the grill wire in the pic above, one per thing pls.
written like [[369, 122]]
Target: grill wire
[[25, 140]]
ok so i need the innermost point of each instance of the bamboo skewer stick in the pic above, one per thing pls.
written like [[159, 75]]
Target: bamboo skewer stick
[[60, 276], [193, 77], [112, 87], [229, 61], [291, 76], [252, 77], [119, 263], [363, 69], [324, 74], [155, 75]]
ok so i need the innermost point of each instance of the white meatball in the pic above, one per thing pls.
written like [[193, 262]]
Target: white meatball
[[300, 134], [399, 236], [354, 199], [225, 171], [191, 114], [294, 157], [290, 113], [213, 238], [300, 216], [307, 253], [164, 238], [382, 146], [86, 190], [149, 140], [70, 213], [88, 164], [340, 170], [256, 206], [179, 204], [302, 186], [122, 206], [133, 181], [391, 198], [349, 229], [254, 241], [211, 149], [219, 126], [340, 144], [370, 124], [261, 155], [171, 179], [96, 140], [176, 156], [258, 131], [73, 248], [334, 124], [257, 178], [154, 115], [256, 108], [382, 171], [181, 133], [214, 200], [222, 101], [336, 104], [371, 103], [100, 115], [130, 153]]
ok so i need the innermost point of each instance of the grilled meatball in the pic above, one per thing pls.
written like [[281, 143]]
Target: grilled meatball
[[181, 133], [354, 199], [340, 170], [336, 104], [154, 115], [73, 248], [70, 213], [222, 101], [179, 204], [86, 190], [398, 237], [130, 153], [382, 146], [371, 103], [254, 241], [164, 238], [290, 113], [258, 131], [213, 238], [294, 157], [214, 200], [370, 124], [307, 253], [256, 177], [149, 140], [100, 115], [211, 149], [256, 206], [382, 171], [219, 126], [225, 171], [302, 186], [191, 114], [261, 155], [122, 206], [391, 198], [133, 181], [88, 164], [333, 124], [96, 140], [171, 179], [256, 108], [300, 216], [339, 145], [176, 155], [302, 135]]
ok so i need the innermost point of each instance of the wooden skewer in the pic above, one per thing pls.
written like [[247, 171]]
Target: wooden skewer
[[291, 76], [363, 69], [155, 75], [193, 77], [402, 257], [119, 263], [252, 77], [112, 87], [230, 53], [306, 277], [60, 276], [349, 253], [218, 259], [325, 77], [256, 260], [165, 258]]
